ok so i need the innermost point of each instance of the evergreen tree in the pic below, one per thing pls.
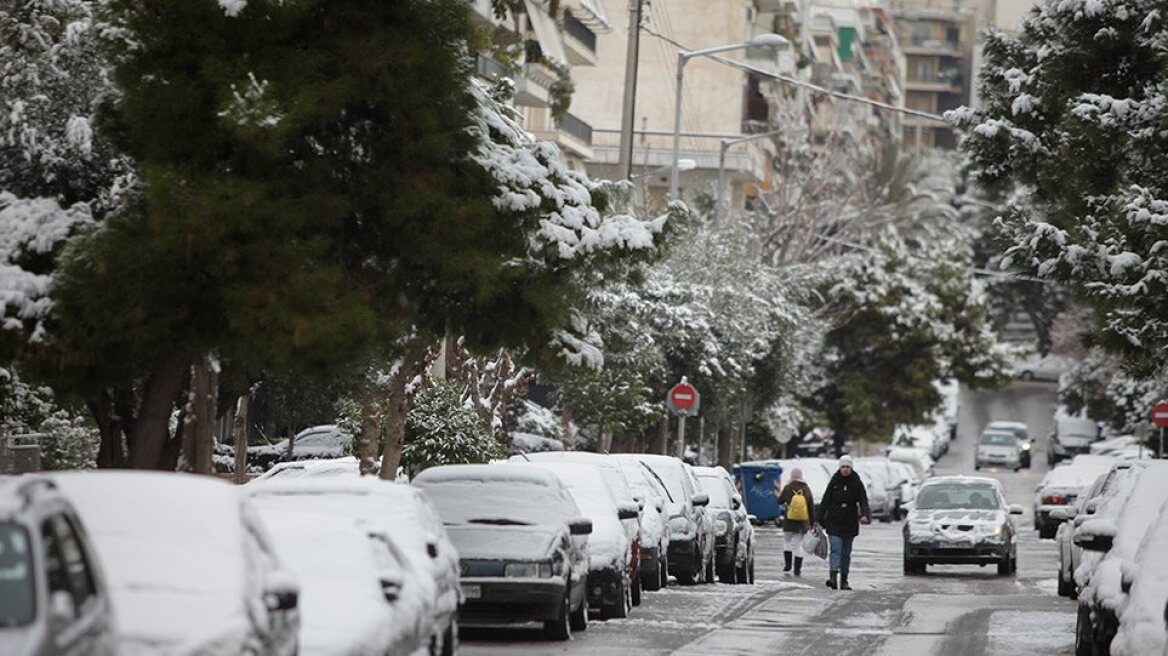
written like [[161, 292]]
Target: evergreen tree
[[1072, 113]]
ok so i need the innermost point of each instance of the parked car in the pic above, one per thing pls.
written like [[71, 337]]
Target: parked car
[[961, 520], [691, 543], [1061, 486], [318, 442], [734, 534], [882, 494], [1113, 535], [1042, 367], [611, 551], [1108, 446], [1140, 610], [918, 461], [54, 598], [189, 563], [926, 438], [897, 482], [1020, 431], [998, 449], [522, 541], [1070, 436], [622, 493], [358, 594], [402, 514], [347, 466], [653, 569], [1068, 518]]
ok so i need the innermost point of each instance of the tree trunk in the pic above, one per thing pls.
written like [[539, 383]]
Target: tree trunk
[[395, 424], [662, 438], [566, 427], [604, 443], [239, 433], [725, 446], [199, 434], [152, 428], [367, 440], [111, 453]]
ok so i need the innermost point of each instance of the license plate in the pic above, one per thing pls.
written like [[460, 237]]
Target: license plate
[[472, 591]]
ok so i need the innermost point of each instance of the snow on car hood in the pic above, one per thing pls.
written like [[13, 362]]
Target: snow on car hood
[[491, 542], [950, 524]]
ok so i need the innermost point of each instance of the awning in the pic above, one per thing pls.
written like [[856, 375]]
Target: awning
[[597, 9], [546, 32]]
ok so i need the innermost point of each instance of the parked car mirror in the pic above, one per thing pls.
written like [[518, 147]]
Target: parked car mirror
[[701, 499], [391, 585], [62, 611], [628, 511], [281, 592], [1094, 542], [753, 519], [1015, 509], [660, 505], [432, 549], [735, 502], [580, 526]]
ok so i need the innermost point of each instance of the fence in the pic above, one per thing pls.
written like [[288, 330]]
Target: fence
[[20, 454]]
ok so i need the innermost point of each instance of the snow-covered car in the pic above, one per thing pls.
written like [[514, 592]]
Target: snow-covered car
[[691, 547], [347, 466], [318, 442], [734, 534], [706, 522], [357, 593], [1110, 445], [897, 484], [1020, 431], [610, 550], [1042, 367], [1112, 536], [1070, 436], [622, 493], [926, 438], [1145, 584], [1061, 486], [1068, 518], [919, 462], [961, 520], [53, 594], [190, 566], [998, 449], [653, 569], [880, 501], [523, 544], [400, 512]]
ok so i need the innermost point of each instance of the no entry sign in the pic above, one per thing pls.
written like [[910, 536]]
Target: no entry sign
[[684, 399], [1160, 414]]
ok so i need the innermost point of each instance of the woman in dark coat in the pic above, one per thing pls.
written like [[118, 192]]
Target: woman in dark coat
[[794, 529], [842, 509]]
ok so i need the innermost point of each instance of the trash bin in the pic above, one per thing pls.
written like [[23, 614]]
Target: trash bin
[[756, 482]]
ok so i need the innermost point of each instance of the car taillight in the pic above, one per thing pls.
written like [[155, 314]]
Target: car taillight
[[1053, 500]]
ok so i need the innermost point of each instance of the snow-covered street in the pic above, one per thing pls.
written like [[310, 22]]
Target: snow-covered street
[[951, 610]]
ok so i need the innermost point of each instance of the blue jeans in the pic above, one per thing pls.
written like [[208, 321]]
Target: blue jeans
[[840, 559]]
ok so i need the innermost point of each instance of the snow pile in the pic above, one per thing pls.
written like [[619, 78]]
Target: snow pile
[[1141, 614]]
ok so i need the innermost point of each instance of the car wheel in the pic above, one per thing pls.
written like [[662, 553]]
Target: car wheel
[[709, 578], [560, 628], [1004, 567], [750, 571], [450, 638], [913, 566], [1047, 532], [1064, 588], [636, 590], [740, 573], [976, 466], [578, 621], [620, 608], [664, 569], [653, 580], [1084, 633], [1027, 375]]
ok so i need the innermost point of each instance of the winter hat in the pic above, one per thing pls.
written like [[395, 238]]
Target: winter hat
[[796, 474], [845, 461]]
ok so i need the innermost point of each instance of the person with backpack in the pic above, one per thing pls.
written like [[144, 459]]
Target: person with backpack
[[798, 517], [842, 509]]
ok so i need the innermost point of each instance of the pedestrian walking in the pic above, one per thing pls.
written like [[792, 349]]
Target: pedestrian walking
[[842, 509], [798, 517]]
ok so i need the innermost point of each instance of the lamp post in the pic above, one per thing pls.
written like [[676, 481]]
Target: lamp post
[[726, 144], [763, 40]]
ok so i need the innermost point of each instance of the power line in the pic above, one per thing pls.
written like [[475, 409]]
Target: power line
[[800, 83]]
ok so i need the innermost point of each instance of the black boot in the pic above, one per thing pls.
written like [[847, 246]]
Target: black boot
[[786, 561], [844, 582], [831, 581], [798, 566]]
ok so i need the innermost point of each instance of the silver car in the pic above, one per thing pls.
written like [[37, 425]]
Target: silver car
[[961, 520], [53, 596]]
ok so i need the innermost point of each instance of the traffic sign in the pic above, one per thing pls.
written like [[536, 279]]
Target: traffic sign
[[684, 399], [1160, 414]]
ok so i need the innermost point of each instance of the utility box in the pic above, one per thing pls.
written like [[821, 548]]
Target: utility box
[[757, 482], [20, 454]]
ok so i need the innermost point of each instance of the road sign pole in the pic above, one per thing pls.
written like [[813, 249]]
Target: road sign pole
[[1160, 450], [681, 436]]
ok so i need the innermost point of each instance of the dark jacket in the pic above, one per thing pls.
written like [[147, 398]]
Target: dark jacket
[[842, 505], [797, 525]]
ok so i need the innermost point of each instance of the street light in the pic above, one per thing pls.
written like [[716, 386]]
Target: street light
[[726, 143], [762, 40]]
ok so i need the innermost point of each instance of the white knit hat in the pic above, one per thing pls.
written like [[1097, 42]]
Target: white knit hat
[[845, 461]]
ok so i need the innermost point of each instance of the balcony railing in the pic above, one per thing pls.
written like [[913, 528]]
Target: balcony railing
[[935, 44], [579, 31], [577, 128], [492, 70]]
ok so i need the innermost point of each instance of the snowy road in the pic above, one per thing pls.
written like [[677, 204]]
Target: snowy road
[[952, 610]]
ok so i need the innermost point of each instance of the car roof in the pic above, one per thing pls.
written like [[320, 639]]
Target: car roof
[[1006, 424], [495, 472], [964, 480]]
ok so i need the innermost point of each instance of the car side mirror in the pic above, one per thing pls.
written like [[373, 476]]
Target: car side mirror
[[580, 526], [1095, 535], [1015, 509], [628, 511], [281, 591], [700, 500], [735, 502], [62, 610], [391, 585], [660, 505], [432, 549]]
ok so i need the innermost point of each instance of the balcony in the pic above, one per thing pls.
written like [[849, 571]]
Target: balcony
[[942, 82], [921, 46], [579, 41], [577, 128]]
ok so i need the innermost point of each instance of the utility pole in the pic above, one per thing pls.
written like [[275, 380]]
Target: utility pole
[[629, 106]]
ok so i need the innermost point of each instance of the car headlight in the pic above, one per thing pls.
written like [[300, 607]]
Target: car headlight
[[528, 570], [990, 532], [679, 525], [1026, 446], [720, 527]]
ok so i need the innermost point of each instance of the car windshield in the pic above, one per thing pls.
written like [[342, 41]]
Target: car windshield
[[953, 496], [502, 501], [997, 439], [17, 596], [717, 489], [672, 476]]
